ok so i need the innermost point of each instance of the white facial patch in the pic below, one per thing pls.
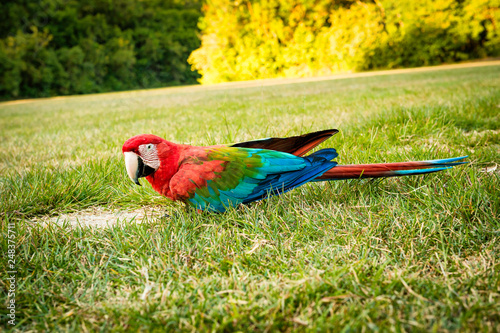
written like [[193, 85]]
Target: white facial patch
[[149, 155]]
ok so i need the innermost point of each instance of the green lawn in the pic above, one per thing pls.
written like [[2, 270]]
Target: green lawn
[[419, 253]]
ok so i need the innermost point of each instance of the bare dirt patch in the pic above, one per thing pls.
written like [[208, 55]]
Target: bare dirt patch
[[102, 218]]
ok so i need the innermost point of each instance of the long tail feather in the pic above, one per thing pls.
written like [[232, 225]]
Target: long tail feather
[[389, 169]]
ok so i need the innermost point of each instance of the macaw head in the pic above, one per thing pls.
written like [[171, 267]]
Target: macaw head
[[141, 156]]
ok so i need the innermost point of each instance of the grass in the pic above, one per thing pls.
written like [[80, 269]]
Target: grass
[[402, 254]]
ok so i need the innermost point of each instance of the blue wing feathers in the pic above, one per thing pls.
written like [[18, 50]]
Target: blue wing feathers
[[277, 182], [327, 154], [279, 172]]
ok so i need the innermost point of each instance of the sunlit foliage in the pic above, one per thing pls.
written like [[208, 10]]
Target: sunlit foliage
[[254, 39]]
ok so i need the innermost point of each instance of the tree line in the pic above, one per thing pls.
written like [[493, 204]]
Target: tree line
[[255, 39], [60, 47]]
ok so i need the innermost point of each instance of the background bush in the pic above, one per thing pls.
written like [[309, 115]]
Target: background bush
[[244, 40], [59, 47]]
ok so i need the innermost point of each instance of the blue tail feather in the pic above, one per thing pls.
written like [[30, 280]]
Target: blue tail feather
[[419, 171], [448, 161]]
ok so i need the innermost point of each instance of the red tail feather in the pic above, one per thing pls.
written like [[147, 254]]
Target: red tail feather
[[377, 170]]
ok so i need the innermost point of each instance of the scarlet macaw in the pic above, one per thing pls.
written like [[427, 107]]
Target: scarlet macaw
[[215, 178]]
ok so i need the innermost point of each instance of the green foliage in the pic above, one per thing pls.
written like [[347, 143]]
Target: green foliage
[[56, 47], [254, 39]]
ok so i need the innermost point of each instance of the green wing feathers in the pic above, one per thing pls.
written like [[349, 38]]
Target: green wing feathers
[[252, 174]]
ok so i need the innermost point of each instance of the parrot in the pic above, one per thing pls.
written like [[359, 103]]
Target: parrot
[[216, 178]]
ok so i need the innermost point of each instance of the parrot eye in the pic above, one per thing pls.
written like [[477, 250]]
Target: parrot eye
[[147, 149]]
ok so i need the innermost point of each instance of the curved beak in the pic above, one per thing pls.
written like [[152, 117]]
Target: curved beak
[[136, 168]]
